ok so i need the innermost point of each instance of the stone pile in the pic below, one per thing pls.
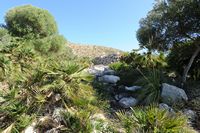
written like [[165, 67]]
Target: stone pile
[[106, 59]]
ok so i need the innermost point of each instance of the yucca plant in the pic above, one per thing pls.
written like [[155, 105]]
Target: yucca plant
[[151, 119]]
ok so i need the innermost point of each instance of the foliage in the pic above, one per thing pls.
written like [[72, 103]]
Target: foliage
[[50, 44], [151, 83], [179, 60], [129, 64], [152, 119], [34, 79], [29, 21], [145, 60], [169, 22]]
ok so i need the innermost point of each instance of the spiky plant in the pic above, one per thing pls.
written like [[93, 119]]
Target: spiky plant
[[151, 119], [151, 83]]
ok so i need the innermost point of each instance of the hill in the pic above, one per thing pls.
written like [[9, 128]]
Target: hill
[[92, 50]]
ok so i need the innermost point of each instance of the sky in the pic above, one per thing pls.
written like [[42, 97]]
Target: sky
[[111, 23]]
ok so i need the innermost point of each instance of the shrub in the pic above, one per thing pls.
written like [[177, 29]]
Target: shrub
[[29, 21], [145, 60], [154, 120], [127, 73], [51, 44]]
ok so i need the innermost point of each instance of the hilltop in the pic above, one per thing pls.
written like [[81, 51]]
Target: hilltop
[[92, 50]]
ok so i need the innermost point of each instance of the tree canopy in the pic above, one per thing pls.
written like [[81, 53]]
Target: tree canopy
[[29, 21], [168, 23]]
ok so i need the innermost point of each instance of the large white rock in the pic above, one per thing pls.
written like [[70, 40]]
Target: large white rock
[[133, 88], [109, 79], [172, 94], [128, 102]]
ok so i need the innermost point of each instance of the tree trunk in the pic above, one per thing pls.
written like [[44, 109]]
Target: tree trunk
[[186, 69]]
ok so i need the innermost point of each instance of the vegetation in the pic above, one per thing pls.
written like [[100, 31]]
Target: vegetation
[[153, 120], [39, 74], [29, 21], [178, 60], [170, 23]]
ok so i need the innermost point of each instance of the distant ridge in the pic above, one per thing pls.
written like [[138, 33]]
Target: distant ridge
[[92, 50]]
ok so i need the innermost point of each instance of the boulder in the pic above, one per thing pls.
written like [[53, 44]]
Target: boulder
[[166, 107], [171, 94], [133, 88], [128, 102], [109, 79]]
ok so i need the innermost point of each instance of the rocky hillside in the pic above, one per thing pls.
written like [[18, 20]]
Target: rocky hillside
[[92, 50]]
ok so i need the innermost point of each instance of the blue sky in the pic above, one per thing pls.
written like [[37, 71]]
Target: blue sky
[[111, 23]]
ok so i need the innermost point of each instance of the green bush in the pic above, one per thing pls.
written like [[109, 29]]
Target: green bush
[[50, 44], [29, 21], [127, 73], [145, 60], [154, 120]]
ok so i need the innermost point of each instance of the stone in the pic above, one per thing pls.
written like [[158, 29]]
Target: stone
[[97, 70], [133, 88], [47, 122], [190, 114], [109, 79], [109, 72], [166, 107], [57, 97], [30, 129], [120, 96], [101, 68], [171, 94], [128, 102], [57, 114]]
